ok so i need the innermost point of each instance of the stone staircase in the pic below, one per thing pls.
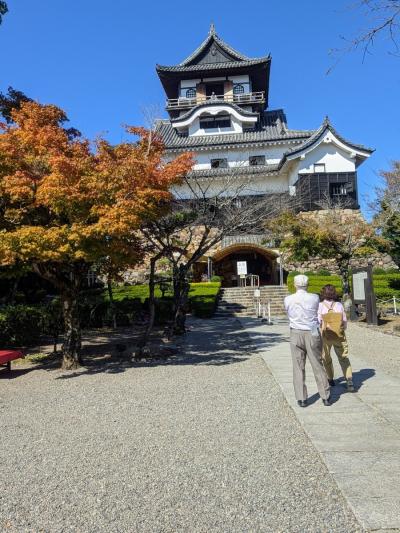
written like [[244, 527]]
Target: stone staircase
[[240, 300]]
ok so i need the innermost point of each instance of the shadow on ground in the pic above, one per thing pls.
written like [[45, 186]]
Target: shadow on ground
[[359, 378], [207, 342]]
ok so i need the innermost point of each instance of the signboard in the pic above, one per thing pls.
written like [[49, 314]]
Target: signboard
[[363, 292], [241, 268], [257, 293], [358, 286]]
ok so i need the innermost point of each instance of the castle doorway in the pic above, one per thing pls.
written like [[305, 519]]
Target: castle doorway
[[259, 262]]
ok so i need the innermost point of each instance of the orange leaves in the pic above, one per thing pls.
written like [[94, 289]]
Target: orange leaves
[[65, 200]]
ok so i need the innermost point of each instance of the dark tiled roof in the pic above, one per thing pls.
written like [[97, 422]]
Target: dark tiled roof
[[213, 66], [212, 36], [271, 127], [231, 171], [327, 125], [213, 103]]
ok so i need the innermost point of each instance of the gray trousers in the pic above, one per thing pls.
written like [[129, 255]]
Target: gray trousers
[[303, 344]]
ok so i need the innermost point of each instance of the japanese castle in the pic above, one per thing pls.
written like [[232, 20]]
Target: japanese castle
[[217, 101]]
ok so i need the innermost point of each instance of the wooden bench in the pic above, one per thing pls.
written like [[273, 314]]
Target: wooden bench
[[6, 356]]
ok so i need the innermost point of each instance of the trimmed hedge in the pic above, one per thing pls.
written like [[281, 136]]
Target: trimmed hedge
[[385, 285], [22, 325]]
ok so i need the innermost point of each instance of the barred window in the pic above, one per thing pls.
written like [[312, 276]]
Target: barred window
[[338, 189], [219, 121], [191, 93], [219, 163], [238, 88], [256, 160]]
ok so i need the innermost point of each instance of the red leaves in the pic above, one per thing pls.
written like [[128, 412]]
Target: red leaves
[[69, 202]]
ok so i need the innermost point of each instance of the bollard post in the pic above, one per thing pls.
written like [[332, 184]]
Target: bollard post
[[394, 305]]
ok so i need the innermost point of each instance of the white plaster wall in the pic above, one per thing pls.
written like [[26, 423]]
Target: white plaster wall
[[334, 158], [189, 83], [255, 185], [272, 154]]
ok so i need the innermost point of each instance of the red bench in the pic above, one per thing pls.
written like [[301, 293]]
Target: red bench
[[6, 356]]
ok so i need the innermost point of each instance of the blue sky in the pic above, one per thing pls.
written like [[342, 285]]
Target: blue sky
[[96, 59]]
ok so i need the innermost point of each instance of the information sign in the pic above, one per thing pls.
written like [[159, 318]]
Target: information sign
[[359, 286], [241, 268], [363, 292]]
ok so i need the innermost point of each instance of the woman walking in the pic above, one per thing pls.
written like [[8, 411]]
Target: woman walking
[[333, 321]]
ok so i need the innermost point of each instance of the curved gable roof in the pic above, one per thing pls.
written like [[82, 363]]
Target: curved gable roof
[[205, 105], [318, 135], [201, 52]]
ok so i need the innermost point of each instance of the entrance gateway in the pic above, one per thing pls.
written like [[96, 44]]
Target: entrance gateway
[[242, 260]]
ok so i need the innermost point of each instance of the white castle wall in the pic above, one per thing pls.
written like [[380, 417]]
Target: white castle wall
[[236, 185], [239, 158], [334, 158]]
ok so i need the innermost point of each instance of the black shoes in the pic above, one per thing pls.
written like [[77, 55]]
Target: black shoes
[[331, 382], [327, 402], [350, 385], [302, 403]]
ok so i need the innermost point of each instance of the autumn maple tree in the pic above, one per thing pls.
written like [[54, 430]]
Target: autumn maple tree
[[333, 235], [67, 203]]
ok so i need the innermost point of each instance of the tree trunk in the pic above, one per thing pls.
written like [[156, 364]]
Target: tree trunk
[[112, 303], [345, 277], [152, 307], [181, 291], [72, 338]]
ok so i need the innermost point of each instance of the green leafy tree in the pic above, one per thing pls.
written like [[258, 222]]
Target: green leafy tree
[[388, 209], [334, 235]]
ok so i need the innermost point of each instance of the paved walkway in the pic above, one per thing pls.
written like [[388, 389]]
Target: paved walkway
[[204, 442], [358, 437]]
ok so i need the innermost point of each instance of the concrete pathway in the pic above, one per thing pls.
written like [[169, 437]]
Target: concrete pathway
[[358, 437]]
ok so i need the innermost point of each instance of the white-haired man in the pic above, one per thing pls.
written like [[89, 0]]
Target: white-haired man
[[305, 340]]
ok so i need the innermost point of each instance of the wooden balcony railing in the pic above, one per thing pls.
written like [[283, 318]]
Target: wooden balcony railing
[[245, 98]]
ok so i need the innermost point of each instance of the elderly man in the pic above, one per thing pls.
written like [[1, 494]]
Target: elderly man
[[305, 339]]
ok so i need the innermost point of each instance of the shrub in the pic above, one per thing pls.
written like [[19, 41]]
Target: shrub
[[378, 270], [216, 279], [21, 325], [323, 272]]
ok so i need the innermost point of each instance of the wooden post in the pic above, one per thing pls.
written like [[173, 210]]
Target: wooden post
[[228, 91], [200, 93]]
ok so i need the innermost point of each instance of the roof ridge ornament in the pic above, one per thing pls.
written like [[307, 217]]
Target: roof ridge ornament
[[211, 31]]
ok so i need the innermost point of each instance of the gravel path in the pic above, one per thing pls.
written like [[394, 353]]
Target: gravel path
[[201, 444], [378, 349]]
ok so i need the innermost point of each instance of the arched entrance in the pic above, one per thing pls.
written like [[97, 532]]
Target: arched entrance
[[259, 261]]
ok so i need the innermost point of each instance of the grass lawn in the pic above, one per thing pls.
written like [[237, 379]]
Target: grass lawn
[[202, 296]]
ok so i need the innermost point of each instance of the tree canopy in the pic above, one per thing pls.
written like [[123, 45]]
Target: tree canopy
[[67, 203], [332, 235], [388, 208]]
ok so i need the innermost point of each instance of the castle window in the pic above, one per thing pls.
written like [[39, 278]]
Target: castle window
[[338, 189], [191, 93], [319, 168], [208, 122], [256, 160], [219, 163], [238, 88]]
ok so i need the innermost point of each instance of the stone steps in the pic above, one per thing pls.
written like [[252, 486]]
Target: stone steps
[[240, 300]]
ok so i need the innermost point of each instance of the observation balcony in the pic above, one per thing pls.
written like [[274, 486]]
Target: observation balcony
[[239, 99]]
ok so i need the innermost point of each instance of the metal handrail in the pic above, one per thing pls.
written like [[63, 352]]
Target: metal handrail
[[245, 98]]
